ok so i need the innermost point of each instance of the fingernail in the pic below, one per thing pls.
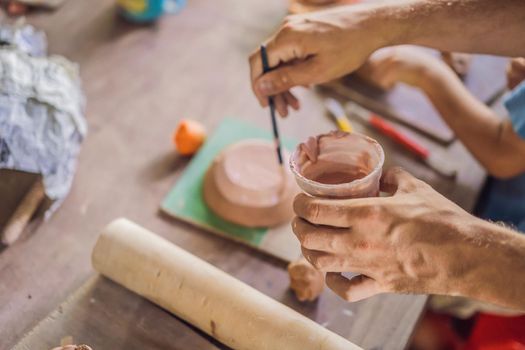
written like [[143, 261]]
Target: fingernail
[[265, 87]]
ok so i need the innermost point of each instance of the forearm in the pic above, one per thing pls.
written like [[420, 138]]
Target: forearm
[[477, 26], [494, 264], [490, 139]]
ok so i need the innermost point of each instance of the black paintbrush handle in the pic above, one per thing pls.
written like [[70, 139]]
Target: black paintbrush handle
[[275, 130], [277, 139]]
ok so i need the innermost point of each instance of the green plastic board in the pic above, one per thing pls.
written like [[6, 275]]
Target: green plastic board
[[185, 201]]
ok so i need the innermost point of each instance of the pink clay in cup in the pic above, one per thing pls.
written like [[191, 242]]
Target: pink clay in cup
[[338, 165]]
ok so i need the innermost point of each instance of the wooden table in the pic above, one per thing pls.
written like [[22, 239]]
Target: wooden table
[[139, 81]]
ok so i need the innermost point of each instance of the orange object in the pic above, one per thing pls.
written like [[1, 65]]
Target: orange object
[[14, 8], [189, 136]]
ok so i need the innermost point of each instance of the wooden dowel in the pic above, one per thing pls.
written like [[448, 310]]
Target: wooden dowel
[[23, 213], [220, 305]]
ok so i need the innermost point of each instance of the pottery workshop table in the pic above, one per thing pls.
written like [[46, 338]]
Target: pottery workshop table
[[139, 80]]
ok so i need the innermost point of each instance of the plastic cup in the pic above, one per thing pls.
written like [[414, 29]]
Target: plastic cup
[[348, 165]]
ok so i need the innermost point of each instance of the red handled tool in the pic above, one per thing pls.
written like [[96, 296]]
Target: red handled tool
[[439, 164]]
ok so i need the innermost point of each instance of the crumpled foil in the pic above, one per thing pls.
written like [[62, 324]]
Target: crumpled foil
[[26, 39], [42, 120]]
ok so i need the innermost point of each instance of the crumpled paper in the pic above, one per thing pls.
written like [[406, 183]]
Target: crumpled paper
[[42, 120]]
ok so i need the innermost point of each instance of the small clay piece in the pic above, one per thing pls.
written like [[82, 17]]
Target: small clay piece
[[459, 62], [305, 280], [246, 185]]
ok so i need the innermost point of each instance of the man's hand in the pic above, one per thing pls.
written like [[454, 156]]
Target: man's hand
[[315, 48], [401, 64], [318, 47], [410, 242]]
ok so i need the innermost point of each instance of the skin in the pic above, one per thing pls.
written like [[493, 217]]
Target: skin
[[502, 151], [318, 47], [302, 6], [415, 241], [459, 62]]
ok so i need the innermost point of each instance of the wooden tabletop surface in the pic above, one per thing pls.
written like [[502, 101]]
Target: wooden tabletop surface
[[139, 81]]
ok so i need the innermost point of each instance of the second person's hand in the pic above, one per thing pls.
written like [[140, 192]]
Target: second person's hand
[[403, 64]]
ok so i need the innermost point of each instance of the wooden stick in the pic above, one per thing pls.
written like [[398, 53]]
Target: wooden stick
[[271, 103], [23, 213], [220, 305]]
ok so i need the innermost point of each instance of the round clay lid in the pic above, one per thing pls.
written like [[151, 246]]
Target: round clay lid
[[248, 173]]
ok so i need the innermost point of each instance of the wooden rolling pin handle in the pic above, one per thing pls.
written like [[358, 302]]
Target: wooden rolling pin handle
[[23, 213], [234, 313]]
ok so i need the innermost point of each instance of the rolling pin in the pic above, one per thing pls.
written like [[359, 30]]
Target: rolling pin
[[14, 228], [232, 312]]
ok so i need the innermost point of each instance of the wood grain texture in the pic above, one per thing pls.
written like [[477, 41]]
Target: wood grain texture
[[139, 81], [107, 316], [132, 324]]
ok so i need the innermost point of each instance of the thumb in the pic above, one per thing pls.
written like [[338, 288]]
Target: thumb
[[354, 289], [398, 180], [284, 78]]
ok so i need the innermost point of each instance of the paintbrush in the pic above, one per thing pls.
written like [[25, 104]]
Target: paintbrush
[[271, 103], [338, 112]]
